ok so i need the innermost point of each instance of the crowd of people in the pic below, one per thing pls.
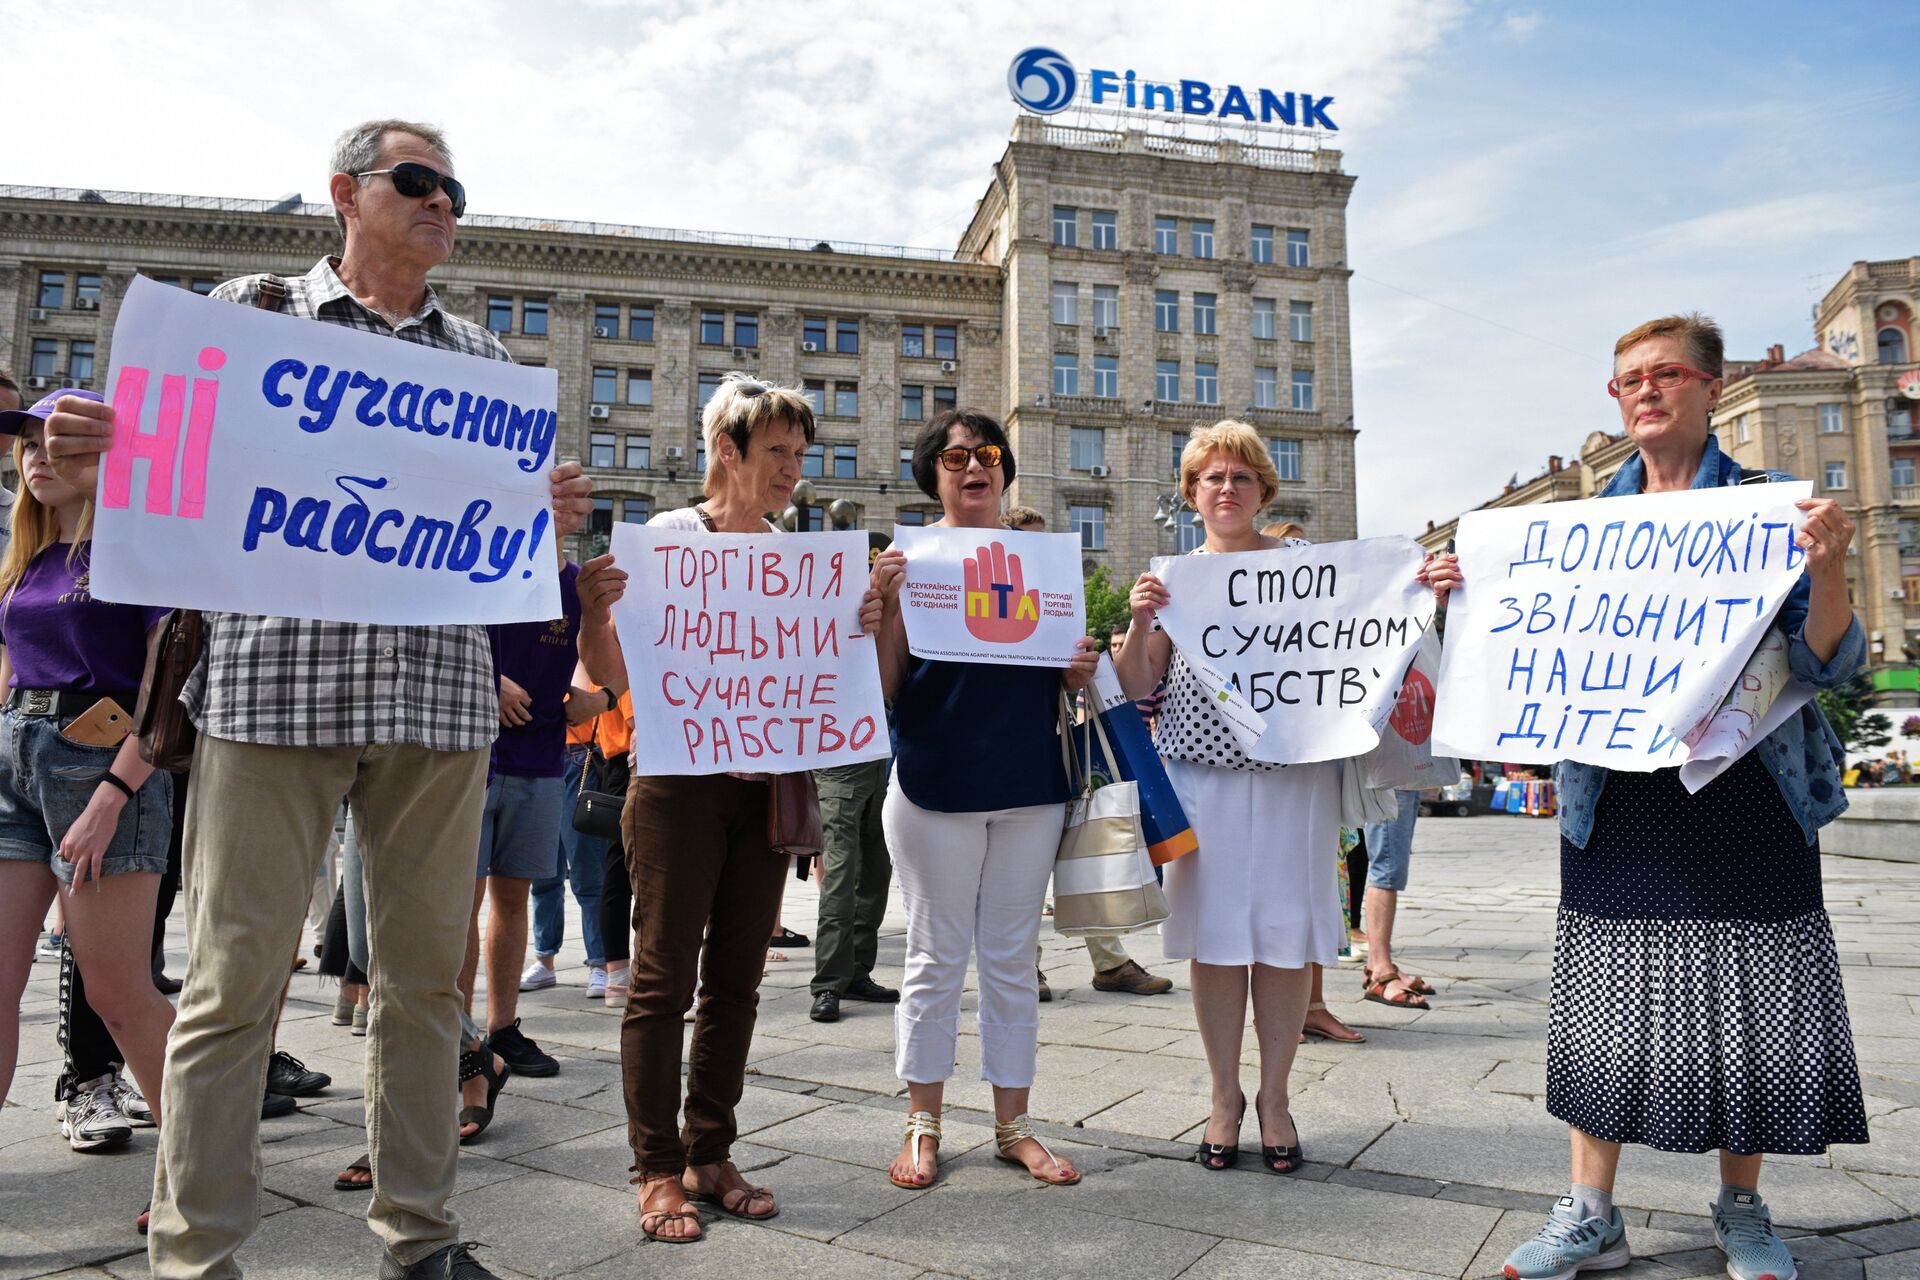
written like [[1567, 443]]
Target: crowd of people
[[442, 772]]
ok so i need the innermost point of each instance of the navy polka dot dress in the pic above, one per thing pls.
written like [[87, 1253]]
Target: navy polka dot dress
[[1697, 1002]]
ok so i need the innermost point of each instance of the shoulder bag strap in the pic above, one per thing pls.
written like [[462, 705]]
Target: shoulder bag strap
[[272, 295]]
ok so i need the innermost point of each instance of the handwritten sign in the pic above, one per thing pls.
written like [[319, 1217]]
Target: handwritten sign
[[272, 465], [992, 595], [1303, 648], [744, 651], [1611, 631]]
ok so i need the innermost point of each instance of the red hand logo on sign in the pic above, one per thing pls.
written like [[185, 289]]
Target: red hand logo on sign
[[1000, 608], [1412, 715]]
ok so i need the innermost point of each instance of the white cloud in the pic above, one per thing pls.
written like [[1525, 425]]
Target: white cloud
[[1521, 23]]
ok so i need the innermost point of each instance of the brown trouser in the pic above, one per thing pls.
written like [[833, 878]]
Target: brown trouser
[[706, 891], [258, 822]]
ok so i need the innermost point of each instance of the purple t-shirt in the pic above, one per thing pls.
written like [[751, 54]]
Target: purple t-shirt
[[59, 637], [539, 657]]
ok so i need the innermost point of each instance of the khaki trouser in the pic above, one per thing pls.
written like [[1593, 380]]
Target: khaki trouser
[[258, 821], [1103, 948]]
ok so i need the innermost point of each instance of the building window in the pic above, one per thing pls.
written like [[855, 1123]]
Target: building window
[[846, 400], [600, 449], [606, 320], [1263, 244], [1204, 305], [1087, 447], [700, 458], [600, 523], [912, 519], [946, 342], [1106, 377], [639, 453], [46, 356], [846, 337], [913, 340], [86, 289], [1106, 229], [635, 510], [1206, 383], [1263, 318], [640, 324], [1066, 226], [1831, 423], [1106, 307], [1166, 236], [1300, 321], [204, 287], [1836, 475], [1179, 442], [606, 386], [846, 461], [500, 314], [813, 333], [1192, 533], [815, 393], [1743, 428], [713, 328], [1893, 344], [1166, 311], [813, 463], [1900, 417], [640, 388], [1066, 375], [913, 402], [709, 383], [1303, 390], [80, 362], [1266, 388], [533, 318], [1091, 524], [1066, 303], [906, 462], [53, 289], [1297, 249], [1202, 237], [945, 398], [1166, 380], [1902, 471], [1286, 458], [746, 328]]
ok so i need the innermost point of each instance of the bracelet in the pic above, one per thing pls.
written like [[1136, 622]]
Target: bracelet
[[109, 775]]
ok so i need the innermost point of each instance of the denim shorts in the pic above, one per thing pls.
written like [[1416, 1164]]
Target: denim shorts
[[45, 784], [1390, 845], [520, 827]]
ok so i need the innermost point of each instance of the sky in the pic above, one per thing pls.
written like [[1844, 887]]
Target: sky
[[1533, 178]]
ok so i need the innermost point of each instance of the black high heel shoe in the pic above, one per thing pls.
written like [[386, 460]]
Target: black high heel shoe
[[1218, 1156], [1281, 1160]]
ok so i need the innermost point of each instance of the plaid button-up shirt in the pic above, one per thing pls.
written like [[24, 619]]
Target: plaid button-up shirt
[[296, 682]]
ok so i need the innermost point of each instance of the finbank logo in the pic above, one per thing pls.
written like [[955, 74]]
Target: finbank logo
[[1043, 81]]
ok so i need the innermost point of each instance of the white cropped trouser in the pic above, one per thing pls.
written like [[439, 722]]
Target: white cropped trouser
[[973, 883]]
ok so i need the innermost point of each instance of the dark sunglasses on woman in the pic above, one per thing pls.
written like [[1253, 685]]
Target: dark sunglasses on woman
[[955, 459], [417, 182]]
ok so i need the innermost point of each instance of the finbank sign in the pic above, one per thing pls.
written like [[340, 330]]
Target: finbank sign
[[1043, 81]]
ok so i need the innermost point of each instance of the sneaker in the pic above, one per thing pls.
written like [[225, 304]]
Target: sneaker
[[132, 1103], [1743, 1229], [453, 1262], [359, 1027], [522, 1054], [90, 1120], [869, 990], [343, 1011], [50, 946], [288, 1075], [596, 982], [1134, 980], [538, 977], [275, 1105], [617, 987], [1568, 1244], [1046, 992]]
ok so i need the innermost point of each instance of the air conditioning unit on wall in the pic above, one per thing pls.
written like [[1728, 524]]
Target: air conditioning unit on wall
[[948, 366], [598, 411], [1100, 472], [673, 453], [86, 304], [601, 331], [810, 347]]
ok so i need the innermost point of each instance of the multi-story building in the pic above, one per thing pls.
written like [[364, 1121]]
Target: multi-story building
[[1115, 289], [1845, 415]]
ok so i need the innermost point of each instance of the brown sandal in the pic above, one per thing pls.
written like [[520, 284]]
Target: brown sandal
[[1376, 991], [652, 1220], [1419, 986], [741, 1208]]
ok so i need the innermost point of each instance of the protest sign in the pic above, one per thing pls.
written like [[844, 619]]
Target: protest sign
[[267, 464], [744, 651], [991, 595], [1610, 631], [1302, 647]]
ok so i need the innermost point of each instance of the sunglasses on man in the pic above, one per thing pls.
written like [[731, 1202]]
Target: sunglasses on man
[[417, 182]]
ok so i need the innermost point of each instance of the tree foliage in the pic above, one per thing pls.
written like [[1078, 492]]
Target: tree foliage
[[1844, 706], [1106, 606]]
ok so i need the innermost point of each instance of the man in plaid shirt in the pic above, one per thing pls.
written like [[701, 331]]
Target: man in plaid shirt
[[294, 716]]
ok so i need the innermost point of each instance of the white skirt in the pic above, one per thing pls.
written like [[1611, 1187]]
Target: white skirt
[[1262, 888]]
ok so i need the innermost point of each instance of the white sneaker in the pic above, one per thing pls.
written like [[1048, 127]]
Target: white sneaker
[[538, 977], [49, 948], [596, 983], [132, 1104], [91, 1120]]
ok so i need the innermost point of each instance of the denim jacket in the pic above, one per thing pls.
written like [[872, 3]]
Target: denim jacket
[[1804, 754]]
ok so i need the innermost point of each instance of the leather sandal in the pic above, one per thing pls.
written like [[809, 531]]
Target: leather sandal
[[1376, 991], [724, 1201], [1419, 986], [479, 1062], [1008, 1134], [920, 1124], [1352, 1036], [652, 1220], [363, 1165], [1223, 1155]]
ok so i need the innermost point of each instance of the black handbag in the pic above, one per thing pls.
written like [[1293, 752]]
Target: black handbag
[[597, 813]]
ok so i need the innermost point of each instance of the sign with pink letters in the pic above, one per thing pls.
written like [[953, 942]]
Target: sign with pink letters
[[267, 464]]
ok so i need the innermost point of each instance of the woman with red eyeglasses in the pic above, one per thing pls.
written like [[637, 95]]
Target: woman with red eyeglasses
[[1697, 1003]]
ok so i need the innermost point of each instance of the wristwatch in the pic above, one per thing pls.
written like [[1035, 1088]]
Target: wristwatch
[[613, 701]]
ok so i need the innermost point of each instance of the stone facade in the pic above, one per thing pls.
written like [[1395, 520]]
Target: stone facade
[[632, 318]]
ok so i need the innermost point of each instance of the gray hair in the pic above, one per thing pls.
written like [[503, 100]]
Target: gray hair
[[358, 149]]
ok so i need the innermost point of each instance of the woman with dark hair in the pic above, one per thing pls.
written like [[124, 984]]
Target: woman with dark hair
[[973, 852]]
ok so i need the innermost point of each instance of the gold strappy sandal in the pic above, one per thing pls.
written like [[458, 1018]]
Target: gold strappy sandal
[[1009, 1133], [920, 1124]]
